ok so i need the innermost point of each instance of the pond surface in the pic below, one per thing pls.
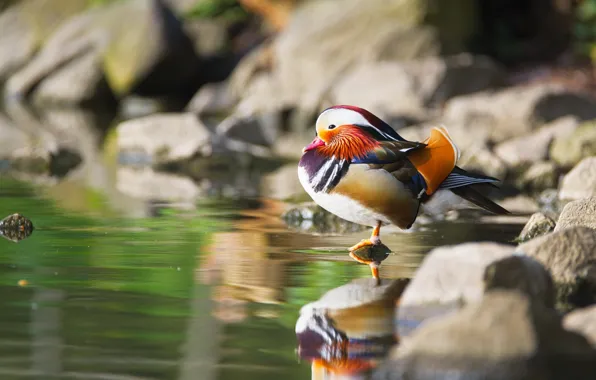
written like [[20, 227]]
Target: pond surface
[[205, 292]]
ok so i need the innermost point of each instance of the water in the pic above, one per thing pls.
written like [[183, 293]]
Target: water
[[206, 292]]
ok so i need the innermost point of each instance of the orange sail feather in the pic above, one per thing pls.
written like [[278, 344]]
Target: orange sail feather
[[436, 161]]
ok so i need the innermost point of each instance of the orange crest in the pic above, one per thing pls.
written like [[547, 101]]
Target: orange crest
[[347, 142]]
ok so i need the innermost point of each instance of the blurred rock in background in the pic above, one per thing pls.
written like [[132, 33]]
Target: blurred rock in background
[[511, 80]]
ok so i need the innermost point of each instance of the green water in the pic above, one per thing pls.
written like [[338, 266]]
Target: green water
[[207, 292]]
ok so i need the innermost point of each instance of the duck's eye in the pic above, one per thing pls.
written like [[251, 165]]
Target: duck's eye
[[331, 126]]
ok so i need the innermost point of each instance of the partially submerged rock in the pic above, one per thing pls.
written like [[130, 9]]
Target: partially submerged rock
[[448, 278], [163, 138], [147, 184], [505, 336], [309, 217], [580, 182], [570, 256], [538, 225], [22, 150], [578, 213], [16, 227]]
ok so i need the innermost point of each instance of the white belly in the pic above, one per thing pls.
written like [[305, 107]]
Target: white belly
[[342, 206]]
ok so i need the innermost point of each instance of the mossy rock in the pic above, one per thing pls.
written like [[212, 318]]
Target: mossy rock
[[568, 151], [46, 16]]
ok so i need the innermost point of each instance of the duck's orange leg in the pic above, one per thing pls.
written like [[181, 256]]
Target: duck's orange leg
[[374, 239]]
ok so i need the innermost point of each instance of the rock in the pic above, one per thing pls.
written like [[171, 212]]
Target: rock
[[284, 185], [582, 321], [570, 256], [16, 227], [17, 43], [534, 146], [447, 278], [505, 336], [112, 43], [568, 150], [519, 110], [523, 274], [578, 213], [212, 99], [373, 31], [79, 81], [146, 184], [415, 84], [520, 204], [580, 182], [310, 218], [538, 225], [539, 176], [210, 36], [258, 129], [25, 151], [27, 25], [381, 31], [163, 138]]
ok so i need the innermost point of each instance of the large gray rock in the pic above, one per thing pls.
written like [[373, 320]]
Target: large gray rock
[[535, 146], [582, 321], [315, 49], [111, 43], [523, 274], [568, 150], [519, 110], [407, 88], [503, 337], [570, 256], [382, 28], [164, 138], [580, 182], [26, 25], [538, 225], [447, 278], [578, 213]]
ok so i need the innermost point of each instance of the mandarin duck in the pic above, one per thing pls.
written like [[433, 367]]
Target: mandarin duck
[[360, 169]]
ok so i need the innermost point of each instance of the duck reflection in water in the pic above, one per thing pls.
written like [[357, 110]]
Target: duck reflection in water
[[350, 329]]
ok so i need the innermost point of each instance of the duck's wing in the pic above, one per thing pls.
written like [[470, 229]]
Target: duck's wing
[[433, 160]]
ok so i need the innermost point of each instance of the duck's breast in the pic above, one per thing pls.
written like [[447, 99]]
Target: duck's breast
[[366, 196]]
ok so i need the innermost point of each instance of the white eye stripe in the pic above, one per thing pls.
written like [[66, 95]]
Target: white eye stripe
[[342, 116]]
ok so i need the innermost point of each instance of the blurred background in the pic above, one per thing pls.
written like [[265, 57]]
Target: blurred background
[[154, 144]]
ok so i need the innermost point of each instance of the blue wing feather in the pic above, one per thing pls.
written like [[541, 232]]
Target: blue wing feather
[[460, 178]]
